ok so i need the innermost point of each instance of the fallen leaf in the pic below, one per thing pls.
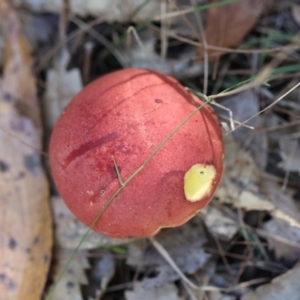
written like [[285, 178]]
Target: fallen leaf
[[285, 207], [227, 25], [240, 183], [231, 193], [102, 272], [38, 30], [243, 106], [69, 286], [168, 291], [61, 86], [25, 217], [69, 230], [218, 224], [144, 55], [290, 154], [242, 187], [282, 287], [282, 229], [184, 244]]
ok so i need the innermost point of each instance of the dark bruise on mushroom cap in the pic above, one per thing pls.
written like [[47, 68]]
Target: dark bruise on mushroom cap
[[126, 115]]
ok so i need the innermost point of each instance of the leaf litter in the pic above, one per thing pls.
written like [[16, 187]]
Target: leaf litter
[[185, 246], [255, 213], [168, 291], [25, 223], [69, 288]]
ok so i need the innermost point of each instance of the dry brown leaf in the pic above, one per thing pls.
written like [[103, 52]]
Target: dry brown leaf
[[227, 25], [282, 287], [25, 218]]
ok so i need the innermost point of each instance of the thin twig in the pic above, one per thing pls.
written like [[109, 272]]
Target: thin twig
[[118, 172], [193, 9], [227, 50], [163, 35], [205, 49], [269, 106], [162, 251]]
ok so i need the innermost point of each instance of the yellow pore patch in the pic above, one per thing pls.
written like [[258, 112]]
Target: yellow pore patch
[[198, 181]]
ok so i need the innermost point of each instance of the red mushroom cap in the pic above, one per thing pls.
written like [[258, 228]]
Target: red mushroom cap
[[126, 115]]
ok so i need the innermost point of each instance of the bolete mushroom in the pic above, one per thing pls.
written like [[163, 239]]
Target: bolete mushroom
[[123, 117]]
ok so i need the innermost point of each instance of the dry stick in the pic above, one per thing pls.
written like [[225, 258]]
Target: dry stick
[[224, 49], [204, 42], [210, 99], [22, 142], [222, 254], [163, 35], [162, 251], [59, 45], [132, 30], [202, 37], [238, 122], [87, 58], [268, 107], [190, 292], [187, 21], [277, 238], [63, 22], [101, 39], [288, 167], [193, 9], [118, 172], [126, 182]]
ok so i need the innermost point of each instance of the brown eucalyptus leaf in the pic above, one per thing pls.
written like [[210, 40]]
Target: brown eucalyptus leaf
[[227, 25], [25, 218]]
